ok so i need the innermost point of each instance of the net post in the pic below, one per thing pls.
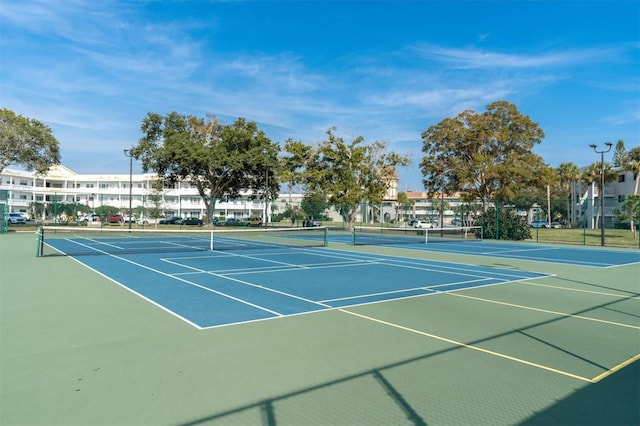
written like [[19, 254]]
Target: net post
[[211, 241], [353, 236], [326, 237], [39, 241]]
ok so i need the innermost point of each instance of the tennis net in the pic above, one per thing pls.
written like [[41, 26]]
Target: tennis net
[[79, 241], [370, 235]]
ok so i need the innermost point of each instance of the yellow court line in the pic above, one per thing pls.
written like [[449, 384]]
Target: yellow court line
[[616, 368], [563, 314], [464, 345], [599, 293]]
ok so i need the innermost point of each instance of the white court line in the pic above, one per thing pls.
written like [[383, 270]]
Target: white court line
[[226, 277], [436, 265], [100, 243], [338, 254], [426, 266], [426, 288], [193, 284]]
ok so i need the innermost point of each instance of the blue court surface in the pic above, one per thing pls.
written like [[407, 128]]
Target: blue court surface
[[217, 288], [570, 255]]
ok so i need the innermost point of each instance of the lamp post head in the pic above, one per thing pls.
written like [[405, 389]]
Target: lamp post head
[[126, 152], [608, 144], [593, 146]]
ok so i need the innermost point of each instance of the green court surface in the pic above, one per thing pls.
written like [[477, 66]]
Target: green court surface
[[76, 348]]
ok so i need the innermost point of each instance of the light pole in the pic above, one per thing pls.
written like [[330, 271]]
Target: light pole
[[266, 197], [601, 195], [127, 152]]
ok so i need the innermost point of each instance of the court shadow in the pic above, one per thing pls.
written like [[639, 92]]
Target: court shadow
[[612, 401], [370, 397]]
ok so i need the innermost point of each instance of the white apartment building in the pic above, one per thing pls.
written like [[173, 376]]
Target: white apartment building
[[586, 208], [62, 185], [614, 195]]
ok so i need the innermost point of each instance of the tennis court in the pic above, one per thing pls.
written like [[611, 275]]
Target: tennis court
[[284, 329]]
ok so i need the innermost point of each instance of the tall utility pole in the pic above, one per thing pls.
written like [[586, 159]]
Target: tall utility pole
[[127, 152], [601, 194]]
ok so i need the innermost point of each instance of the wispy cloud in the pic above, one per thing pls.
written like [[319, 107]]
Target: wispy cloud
[[471, 58]]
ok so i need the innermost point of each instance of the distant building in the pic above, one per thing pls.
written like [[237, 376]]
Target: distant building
[[614, 194], [62, 185]]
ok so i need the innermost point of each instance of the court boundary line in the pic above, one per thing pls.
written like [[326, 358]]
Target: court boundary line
[[600, 293], [546, 311], [188, 283], [432, 289], [261, 287], [608, 372], [367, 261], [322, 306], [442, 263], [129, 289], [468, 346], [427, 247]]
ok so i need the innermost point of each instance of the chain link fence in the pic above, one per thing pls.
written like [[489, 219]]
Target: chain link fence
[[582, 222]]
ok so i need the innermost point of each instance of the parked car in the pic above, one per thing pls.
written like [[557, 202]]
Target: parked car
[[539, 224], [16, 218], [423, 224], [456, 222], [89, 217], [174, 220], [412, 222], [252, 221], [555, 225], [310, 223], [192, 221], [133, 219], [118, 218], [231, 221], [128, 219]]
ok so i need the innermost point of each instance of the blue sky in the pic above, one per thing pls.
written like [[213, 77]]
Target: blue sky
[[384, 70]]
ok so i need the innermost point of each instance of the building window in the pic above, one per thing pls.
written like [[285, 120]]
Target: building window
[[620, 178], [621, 198]]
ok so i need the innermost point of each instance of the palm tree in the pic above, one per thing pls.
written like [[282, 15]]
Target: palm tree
[[593, 173], [569, 173], [403, 203], [632, 162]]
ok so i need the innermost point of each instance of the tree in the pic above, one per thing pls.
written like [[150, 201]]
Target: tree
[[154, 200], [486, 155], [26, 142], [503, 225], [294, 165], [619, 154], [404, 205], [314, 205], [348, 173], [632, 162], [629, 212], [568, 174], [592, 174], [218, 160]]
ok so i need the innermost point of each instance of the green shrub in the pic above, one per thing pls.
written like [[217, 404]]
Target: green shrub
[[506, 225]]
